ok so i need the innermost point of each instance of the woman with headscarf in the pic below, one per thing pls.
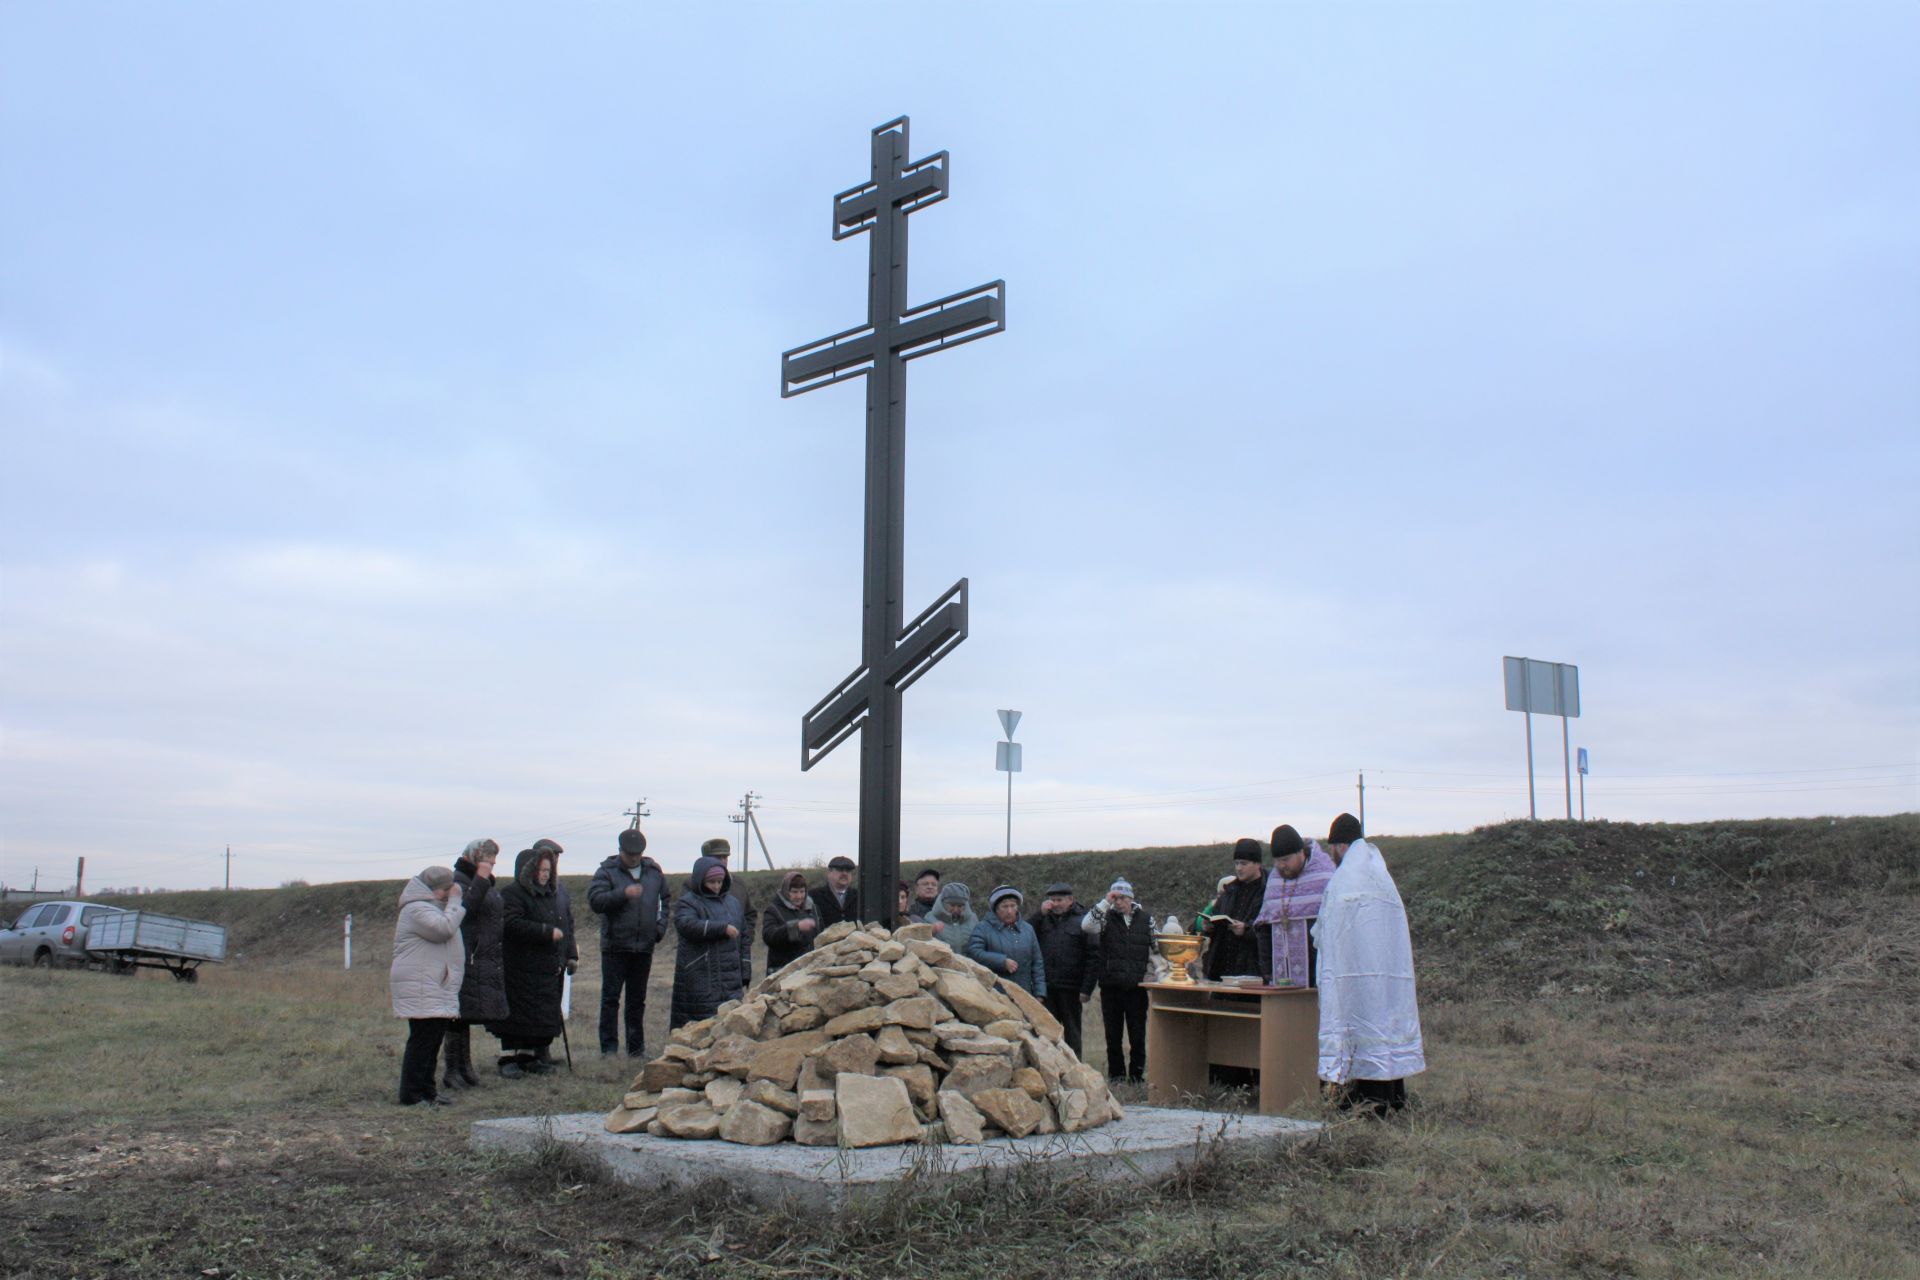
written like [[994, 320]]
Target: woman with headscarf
[[533, 950], [1233, 949], [1294, 889], [791, 921], [708, 969], [952, 915], [424, 979], [1007, 944], [483, 991]]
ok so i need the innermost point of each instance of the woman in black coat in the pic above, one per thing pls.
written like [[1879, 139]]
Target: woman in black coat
[[707, 971], [483, 992], [790, 922], [533, 947]]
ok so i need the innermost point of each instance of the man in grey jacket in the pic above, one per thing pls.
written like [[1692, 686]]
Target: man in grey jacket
[[629, 894]]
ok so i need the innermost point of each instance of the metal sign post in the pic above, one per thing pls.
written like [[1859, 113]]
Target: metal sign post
[[1583, 784], [1550, 688], [892, 657], [349, 939], [1006, 758]]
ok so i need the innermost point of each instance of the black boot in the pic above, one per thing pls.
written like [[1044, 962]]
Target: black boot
[[456, 1050], [467, 1073], [450, 1050], [510, 1068]]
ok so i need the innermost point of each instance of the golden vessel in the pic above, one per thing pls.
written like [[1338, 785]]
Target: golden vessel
[[1180, 949]]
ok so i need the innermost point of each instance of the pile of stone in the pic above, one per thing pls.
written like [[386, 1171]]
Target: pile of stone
[[874, 1037]]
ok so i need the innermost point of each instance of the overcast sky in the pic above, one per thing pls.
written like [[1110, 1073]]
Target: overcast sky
[[394, 454]]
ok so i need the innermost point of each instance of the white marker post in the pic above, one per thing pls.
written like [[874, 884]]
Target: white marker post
[[349, 939]]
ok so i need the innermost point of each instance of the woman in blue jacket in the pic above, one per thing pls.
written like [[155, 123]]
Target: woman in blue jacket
[[1007, 944]]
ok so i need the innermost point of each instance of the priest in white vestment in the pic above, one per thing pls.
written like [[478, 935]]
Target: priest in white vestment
[[1369, 1013]]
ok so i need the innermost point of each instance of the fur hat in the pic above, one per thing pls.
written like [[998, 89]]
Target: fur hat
[[715, 848], [437, 877]]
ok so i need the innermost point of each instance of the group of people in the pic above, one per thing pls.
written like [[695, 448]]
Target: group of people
[[468, 950], [1324, 914]]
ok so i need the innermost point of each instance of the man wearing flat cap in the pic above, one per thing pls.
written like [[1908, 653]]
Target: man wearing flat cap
[[837, 899], [720, 849], [629, 894], [1072, 957]]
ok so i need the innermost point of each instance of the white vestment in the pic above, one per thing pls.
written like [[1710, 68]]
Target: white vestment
[[1369, 1015]]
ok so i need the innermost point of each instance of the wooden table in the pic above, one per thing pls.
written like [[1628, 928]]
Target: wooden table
[[1191, 1026]]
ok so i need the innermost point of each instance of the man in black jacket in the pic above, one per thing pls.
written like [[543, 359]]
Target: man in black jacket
[[837, 899], [1072, 959], [1125, 934], [629, 894]]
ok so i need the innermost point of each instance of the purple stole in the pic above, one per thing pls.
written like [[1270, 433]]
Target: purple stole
[[1289, 906]]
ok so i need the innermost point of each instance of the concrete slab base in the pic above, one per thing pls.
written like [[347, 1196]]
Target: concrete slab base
[[1150, 1142]]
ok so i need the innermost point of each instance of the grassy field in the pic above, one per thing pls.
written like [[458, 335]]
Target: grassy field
[[1661, 1051]]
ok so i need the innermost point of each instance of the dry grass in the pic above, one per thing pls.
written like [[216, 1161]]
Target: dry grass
[[1745, 1122]]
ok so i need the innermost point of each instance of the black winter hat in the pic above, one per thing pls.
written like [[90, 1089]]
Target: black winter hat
[[633, 841], [841, 863], [1246, 850], [1286, 841], [1345, 830]]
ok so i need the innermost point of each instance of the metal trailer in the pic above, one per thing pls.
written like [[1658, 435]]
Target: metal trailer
[[130, 940]]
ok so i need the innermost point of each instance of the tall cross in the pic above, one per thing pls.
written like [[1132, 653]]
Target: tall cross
[[892, 655]]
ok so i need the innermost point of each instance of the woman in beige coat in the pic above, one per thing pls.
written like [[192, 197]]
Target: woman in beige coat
[[428, 964]]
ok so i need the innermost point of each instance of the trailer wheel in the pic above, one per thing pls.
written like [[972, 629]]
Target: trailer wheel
[[43, 959]]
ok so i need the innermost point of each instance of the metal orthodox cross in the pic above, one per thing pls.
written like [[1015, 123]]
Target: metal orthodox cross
[[892, 655]]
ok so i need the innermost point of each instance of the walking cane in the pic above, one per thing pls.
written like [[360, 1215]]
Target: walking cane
[[566, 1041]]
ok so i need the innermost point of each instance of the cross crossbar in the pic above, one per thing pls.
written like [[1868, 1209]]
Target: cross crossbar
[[920, 184], [940, 627], [946, 322]]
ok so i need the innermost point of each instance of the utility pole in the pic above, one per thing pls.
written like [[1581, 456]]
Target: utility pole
[[754, 822], [1363, 800], [638, 812], [229, 866], [80, 879], [749, 828]]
